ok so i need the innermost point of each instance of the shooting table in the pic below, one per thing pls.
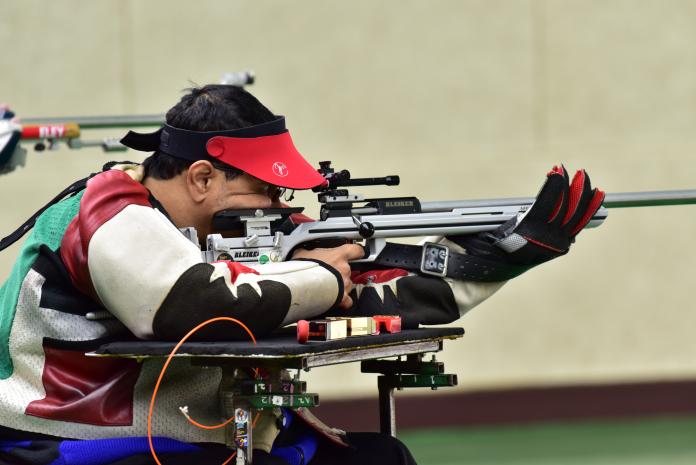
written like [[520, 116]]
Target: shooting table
[[280, 352]]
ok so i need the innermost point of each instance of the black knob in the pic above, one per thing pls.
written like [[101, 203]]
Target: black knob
[[366, 230]]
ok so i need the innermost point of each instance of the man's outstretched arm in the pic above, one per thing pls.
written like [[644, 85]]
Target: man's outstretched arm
[[546, 231]]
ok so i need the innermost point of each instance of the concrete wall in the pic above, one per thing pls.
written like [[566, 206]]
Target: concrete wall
[[463, 99]]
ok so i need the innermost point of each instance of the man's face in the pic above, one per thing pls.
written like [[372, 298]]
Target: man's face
[[242, 192]]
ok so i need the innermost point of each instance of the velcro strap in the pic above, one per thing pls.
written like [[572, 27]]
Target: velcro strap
[[440, 260]]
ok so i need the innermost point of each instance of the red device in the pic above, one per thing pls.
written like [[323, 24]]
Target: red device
[[321, 330], [387, 323]]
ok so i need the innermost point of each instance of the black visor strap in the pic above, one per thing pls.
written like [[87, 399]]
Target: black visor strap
[[144, 142]]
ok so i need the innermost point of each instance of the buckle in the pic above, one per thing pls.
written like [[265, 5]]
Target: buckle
[[434, 259]]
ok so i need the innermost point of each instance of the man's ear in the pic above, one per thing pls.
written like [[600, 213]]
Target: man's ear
[[199, 178]]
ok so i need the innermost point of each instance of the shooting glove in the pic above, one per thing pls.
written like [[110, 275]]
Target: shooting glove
[[11, 154], [545, 231]]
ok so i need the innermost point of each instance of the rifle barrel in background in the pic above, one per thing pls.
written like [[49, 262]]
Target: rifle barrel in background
[[101, 122], [235, 78]]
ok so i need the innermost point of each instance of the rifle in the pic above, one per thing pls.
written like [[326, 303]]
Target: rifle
[[269, 236], [48, 133]]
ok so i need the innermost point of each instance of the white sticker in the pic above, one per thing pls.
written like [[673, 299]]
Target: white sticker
[[280, 169]]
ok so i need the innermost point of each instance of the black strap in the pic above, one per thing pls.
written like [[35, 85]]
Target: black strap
[[458, 265], [144, 142], [77, 186], [28, 224]]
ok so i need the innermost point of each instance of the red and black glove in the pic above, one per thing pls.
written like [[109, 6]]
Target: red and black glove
[[545, 231], [11, 155]]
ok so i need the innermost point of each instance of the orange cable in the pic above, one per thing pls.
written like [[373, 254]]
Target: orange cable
[[164, 369]]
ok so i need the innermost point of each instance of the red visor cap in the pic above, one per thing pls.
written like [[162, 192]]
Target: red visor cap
[[273, 159]]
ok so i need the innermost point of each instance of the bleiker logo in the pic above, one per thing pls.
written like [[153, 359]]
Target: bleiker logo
[[280, 169]]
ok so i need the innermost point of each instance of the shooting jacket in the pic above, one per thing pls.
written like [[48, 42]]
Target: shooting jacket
[[107, 264]]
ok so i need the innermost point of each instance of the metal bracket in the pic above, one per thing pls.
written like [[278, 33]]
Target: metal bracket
[[399, 374], [243, 397], [434, 259]]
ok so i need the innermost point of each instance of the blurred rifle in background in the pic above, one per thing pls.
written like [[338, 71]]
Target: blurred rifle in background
[[47, 133]]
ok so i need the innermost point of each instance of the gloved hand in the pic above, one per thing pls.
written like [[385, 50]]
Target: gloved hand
[[545, 231], [11, 155]]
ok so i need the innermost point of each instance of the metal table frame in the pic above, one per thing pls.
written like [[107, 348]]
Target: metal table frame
[[394, 374]]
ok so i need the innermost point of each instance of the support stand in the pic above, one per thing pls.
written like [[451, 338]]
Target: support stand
[[399, 374], [243, 393]]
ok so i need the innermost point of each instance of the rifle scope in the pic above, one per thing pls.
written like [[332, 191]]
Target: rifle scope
[[342, 178]]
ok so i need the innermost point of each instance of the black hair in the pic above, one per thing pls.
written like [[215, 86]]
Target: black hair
[[215, 107]]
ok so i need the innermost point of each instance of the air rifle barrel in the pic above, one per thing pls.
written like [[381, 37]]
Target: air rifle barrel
[[618, 200]]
